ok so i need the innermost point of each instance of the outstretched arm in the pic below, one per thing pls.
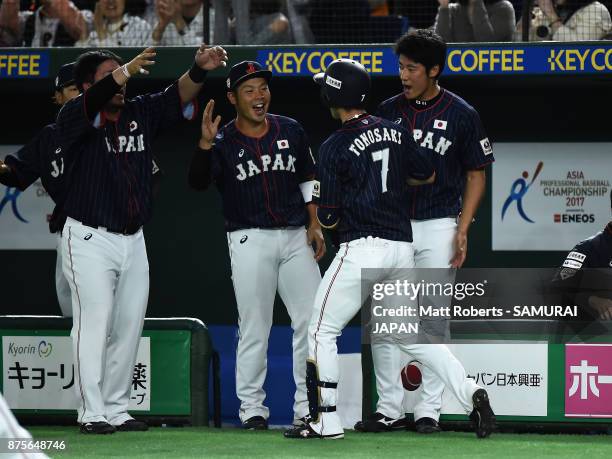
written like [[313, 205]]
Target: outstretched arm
[[206, 59]]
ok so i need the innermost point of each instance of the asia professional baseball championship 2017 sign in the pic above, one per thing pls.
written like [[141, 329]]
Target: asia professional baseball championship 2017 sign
[[549, 196]]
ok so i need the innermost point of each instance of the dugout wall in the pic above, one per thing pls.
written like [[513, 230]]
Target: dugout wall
[[541, 94]]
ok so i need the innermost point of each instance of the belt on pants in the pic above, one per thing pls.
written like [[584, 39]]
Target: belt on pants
[[128, 230]]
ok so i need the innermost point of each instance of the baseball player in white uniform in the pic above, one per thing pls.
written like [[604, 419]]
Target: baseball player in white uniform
[[262, 166], [441, 213], [363, 171]]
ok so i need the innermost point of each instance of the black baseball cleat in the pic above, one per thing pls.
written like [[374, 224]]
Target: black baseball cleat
[[427, 426], [378, 422], [482, 416], [306, 432], [255, 423], [300, 422], [132, 425], [100, 428]]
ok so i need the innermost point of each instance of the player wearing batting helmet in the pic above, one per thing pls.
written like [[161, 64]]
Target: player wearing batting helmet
[[363, 172]]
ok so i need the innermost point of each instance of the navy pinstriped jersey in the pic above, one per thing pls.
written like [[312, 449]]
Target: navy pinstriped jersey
[[450, 132], [259, 178], [110, 183], [362, 171], [44, 158]]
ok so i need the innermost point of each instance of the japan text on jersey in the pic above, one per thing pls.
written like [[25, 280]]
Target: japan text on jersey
[[450, 132], [259, 178]]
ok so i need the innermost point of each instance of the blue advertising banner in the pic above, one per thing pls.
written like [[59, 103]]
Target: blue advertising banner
[[24, 64], [510, 59]]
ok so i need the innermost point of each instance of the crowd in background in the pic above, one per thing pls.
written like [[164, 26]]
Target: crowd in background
[[137, 23]]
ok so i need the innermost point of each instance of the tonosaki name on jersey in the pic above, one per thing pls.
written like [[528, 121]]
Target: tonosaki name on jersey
[[450, 132], [362, 174], [259, 178]]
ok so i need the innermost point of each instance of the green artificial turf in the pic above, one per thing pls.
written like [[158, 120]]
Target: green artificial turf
[[203, 442]]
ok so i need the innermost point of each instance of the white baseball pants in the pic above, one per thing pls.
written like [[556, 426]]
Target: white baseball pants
[[433, 248], [265, 261], [339, 298], [62, 288], [108, 275]]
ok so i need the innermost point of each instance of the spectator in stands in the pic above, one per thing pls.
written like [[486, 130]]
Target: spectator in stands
[[179, 23], [568, 20], [53, 23], [297, 13], [421, 14], [254, 22], [113, 27], [259, 22], [475, 20], [340, 21]]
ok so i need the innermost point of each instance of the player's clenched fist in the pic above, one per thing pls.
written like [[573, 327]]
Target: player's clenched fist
[[138, 64], [210, 58], [209, 127]]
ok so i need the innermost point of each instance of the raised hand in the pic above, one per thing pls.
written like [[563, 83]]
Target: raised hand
[[209, 127], [144, 59], [166, 10], [210, 58]]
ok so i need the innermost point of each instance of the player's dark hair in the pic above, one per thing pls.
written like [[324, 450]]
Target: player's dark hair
[[423, 46], [87, 64]]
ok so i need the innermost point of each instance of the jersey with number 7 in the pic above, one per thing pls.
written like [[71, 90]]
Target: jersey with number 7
[[362, 172]]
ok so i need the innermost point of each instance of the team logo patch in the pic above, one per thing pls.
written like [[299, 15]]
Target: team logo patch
[[219, 135], [316, 189], [365, 122], [87, 236], [241, 153], [576, 256], [572, 264], [486, 146], [440, 124], [282, 144], [155, 168], [333, 82], [228, 83], [398, 121], [58, 151], [133, 126], [243, 239]]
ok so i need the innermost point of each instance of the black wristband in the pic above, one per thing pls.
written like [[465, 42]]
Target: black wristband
[[197, 74]]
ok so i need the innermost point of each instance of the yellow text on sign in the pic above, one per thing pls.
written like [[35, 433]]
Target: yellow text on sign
[[489, 60], [20, 64], [571, 60], [317, 61]]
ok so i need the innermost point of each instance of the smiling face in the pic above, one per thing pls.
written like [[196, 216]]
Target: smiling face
[[251, 99], [112, 9], [418, 83]]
